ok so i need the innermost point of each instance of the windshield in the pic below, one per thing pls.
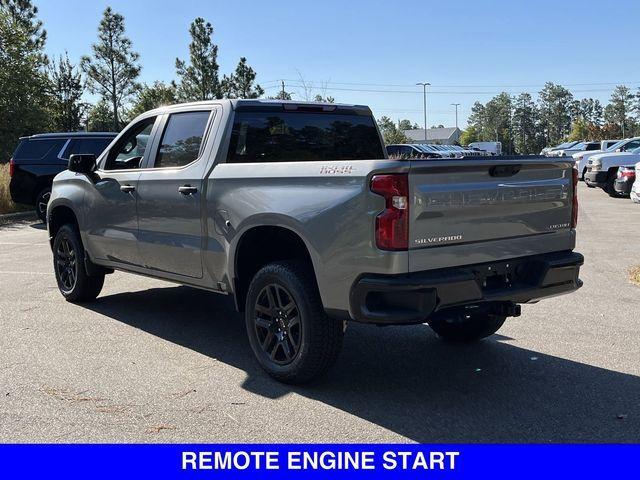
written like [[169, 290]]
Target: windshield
[[578, 146], [615, 146]]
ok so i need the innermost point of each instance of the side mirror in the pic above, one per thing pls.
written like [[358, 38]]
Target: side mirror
[[82, 163]]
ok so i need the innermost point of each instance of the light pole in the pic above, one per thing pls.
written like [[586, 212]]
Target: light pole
[[456, 105], [424, 96]]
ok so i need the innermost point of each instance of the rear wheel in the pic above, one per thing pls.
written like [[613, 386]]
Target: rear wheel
[[610, 186], [68, 263], [42, 200], [466, 327], [289, 332]]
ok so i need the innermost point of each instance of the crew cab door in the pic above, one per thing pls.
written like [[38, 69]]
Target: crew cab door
[[170, 195], [111, 214]]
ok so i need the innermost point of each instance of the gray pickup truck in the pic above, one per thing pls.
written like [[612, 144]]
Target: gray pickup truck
[[295, 210]]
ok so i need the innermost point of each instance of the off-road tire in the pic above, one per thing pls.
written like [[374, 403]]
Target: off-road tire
[[319, 336], [82, 287]]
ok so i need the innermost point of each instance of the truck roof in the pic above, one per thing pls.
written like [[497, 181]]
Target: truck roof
[[242, 104], [70, 135]]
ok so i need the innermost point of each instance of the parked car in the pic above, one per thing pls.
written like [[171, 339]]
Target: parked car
[[39, 158], [493, 148], [308, 231], [602, 169], [578, 147], [635, 188], [605, 146], [408, 150], [582, 158], [624, 180], [546, 150]]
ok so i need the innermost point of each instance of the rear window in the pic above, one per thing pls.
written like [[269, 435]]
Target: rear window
[[32, 149], [86, 145], [296, 136]]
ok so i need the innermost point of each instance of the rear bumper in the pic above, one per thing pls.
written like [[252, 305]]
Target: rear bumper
[[412, 298], [597, 179]]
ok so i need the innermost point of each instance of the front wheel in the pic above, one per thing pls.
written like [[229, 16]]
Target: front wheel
[[465, 327], [68, 263], [290, 334]]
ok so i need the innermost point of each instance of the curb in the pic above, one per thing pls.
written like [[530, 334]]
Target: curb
[[9, 217]]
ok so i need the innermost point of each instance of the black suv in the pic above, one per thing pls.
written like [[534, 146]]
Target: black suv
[[41, 157]]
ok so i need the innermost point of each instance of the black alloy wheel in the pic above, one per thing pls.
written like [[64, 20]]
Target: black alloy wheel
[[66, 264], [277, 324]]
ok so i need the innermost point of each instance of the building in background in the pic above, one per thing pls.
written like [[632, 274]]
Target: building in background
[[443, 136]]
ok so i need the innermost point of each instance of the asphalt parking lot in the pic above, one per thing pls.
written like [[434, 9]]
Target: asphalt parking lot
[[153, 362]]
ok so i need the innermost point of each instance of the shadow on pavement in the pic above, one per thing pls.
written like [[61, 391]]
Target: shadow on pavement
[[406, 380]]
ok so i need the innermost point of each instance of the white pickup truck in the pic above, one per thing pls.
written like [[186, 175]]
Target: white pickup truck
[[602, 169], [581, 158]]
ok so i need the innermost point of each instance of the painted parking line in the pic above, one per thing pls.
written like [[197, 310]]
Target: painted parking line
[[22, 243], [25, 273]]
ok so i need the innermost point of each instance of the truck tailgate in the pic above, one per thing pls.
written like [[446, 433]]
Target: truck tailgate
[[487, 203]]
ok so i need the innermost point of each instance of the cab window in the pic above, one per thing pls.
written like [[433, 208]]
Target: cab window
[[182, 139], [129, 151]]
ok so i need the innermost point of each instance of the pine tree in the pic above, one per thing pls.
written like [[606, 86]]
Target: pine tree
[[619, 110], [113, 69], [241, 83], [199, 78], [67, 108], [24, 88], [24, 13], [555, 112]]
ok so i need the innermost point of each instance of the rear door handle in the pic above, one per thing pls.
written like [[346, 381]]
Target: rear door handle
[[187, 190], [127, 188]]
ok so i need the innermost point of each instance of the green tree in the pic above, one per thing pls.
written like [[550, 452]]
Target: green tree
[[555, 112], [199, 78], [67, 108], [324, 98], [497, 120], [620, 108], [470, 135], [113, 69], [24, 87], [153, 96], [477, 120], [579, 130], [591, 111], [240, 84], [100, 117], [525, 125], [25, 16], [390, 131], [282, 95], [407, 125]]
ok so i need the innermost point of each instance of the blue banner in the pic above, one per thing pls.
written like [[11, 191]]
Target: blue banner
[[319, 461]]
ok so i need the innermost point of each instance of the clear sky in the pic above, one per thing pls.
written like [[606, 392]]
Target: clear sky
[[373, 52]]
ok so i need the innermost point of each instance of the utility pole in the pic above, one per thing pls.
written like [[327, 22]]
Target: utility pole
[[424, 98], [456, 105], [283, 92]]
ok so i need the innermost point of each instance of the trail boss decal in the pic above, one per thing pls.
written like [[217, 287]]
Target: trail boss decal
[[336, 169]]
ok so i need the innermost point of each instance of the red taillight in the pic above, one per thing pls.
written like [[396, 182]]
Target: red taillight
[[392, 225], [574, 203], [12, 167], [627, 173]]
